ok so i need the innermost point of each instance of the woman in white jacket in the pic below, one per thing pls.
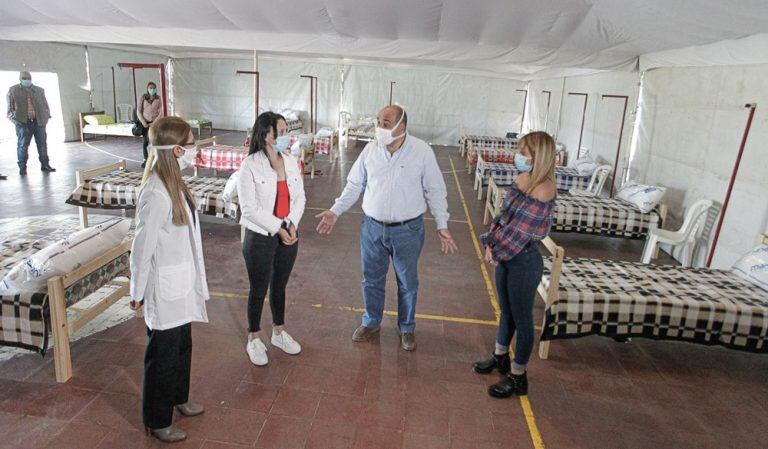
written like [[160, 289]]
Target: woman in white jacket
[[271, 192], [168, 277]]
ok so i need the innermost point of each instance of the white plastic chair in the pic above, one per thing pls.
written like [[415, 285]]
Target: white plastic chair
[[596, 183], [687, 235], [124, 113]]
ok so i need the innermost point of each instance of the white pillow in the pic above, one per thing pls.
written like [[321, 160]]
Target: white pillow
[[230, 188], [753, 267], [641, 196], [65, 255], [585, 166]]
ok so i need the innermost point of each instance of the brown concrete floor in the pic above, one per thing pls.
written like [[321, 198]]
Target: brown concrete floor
[[591, 393]]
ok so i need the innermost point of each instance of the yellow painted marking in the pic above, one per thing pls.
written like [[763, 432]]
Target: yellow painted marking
[[418, 315], [530, 419], [478, 250], [360, 213]]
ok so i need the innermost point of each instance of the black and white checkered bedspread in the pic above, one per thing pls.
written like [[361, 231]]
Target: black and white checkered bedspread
[[24, 316], [604, 216], [120, 190], [487, 142], [712, 307]]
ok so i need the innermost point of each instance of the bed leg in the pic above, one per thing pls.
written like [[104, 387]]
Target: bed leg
[[480, 190], [242, 233], [543, 350], [83, 217], [60, 327]]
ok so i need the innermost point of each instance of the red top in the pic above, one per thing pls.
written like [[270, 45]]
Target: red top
[[283, 202]]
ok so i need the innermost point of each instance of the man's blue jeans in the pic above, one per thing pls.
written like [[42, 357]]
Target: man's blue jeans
[[403, 244], [24, 134]]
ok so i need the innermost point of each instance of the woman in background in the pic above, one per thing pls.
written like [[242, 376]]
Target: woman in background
[[510, 245], [168, 278], [148, 109], [271, 192]]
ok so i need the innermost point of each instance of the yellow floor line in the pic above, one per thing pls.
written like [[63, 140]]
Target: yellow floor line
[[418, 315], [478, 250], [360, 213], [530, 419]]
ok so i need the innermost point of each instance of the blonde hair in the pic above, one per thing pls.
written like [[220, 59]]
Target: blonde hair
[[542, 148], [171, 131]]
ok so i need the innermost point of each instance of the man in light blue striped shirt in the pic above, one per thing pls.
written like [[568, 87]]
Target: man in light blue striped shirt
[[400, 178]]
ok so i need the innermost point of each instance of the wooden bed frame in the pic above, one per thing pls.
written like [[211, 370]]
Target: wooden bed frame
[[81, 117], [61, 326], [209, 141], [82, 175], [549, 294]]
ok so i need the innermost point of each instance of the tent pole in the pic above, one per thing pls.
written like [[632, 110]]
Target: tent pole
[[162, 90], [752, 107], [114, 93], [546, 116], [311, 102], [583, 116], [525, 100], [391, 83], [621, 134], [135, 94], [256, 90]]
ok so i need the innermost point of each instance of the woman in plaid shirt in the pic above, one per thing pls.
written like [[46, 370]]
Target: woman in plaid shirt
[[510, 246]]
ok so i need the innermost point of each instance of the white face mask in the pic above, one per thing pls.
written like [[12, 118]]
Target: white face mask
[[385, 137], [187, 159]]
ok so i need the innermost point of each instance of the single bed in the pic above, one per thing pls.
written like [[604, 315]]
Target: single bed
[[663, 302], [217, 157], [488, 154], [27, 317], [114, 129], [113, 187], [585, 215], [504, 174], [468, 141], [200, 124]]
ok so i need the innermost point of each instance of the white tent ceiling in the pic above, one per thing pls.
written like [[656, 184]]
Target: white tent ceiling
[[515, 38]]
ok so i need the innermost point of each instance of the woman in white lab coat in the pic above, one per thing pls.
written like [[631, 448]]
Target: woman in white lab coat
[[168, 278], [271, 192]]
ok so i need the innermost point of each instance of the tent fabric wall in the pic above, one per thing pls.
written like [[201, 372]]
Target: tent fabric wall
[[691, 125], [68, 61], [441, 105], [101, 61], [602, 119], [209, 87]]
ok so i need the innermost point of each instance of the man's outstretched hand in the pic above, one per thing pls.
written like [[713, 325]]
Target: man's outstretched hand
[[447, 244], [327, 220]]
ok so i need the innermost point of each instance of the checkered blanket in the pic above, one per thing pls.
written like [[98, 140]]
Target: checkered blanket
[[628, 299], [468, 141], [24, 317], [603, 216], [504, 174], [120, 190], [502, 155], [295, 125], [565, 178], [221, 157]]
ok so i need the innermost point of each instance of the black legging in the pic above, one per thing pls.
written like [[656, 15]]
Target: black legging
[[145, 135], [269, 263]]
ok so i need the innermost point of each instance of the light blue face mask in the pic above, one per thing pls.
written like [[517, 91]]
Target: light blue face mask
[[152, 91], [26, 83], [521, 163], [281, 143]]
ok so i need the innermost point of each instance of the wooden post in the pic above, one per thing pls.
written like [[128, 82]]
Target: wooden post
[[60, 328]]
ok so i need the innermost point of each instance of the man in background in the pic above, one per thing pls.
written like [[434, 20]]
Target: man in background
[[28, 110]]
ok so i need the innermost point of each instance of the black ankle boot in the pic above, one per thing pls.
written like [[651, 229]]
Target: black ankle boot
[[511, 384], [499, 362]]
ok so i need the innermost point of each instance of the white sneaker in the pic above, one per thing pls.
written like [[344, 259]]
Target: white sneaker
[[285, 342], [257, 352]]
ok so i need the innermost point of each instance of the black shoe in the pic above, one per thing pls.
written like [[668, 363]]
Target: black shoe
[[510, 385], [143, 164], [3, 177], [499, 362], [23, 171], [48, 168]]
